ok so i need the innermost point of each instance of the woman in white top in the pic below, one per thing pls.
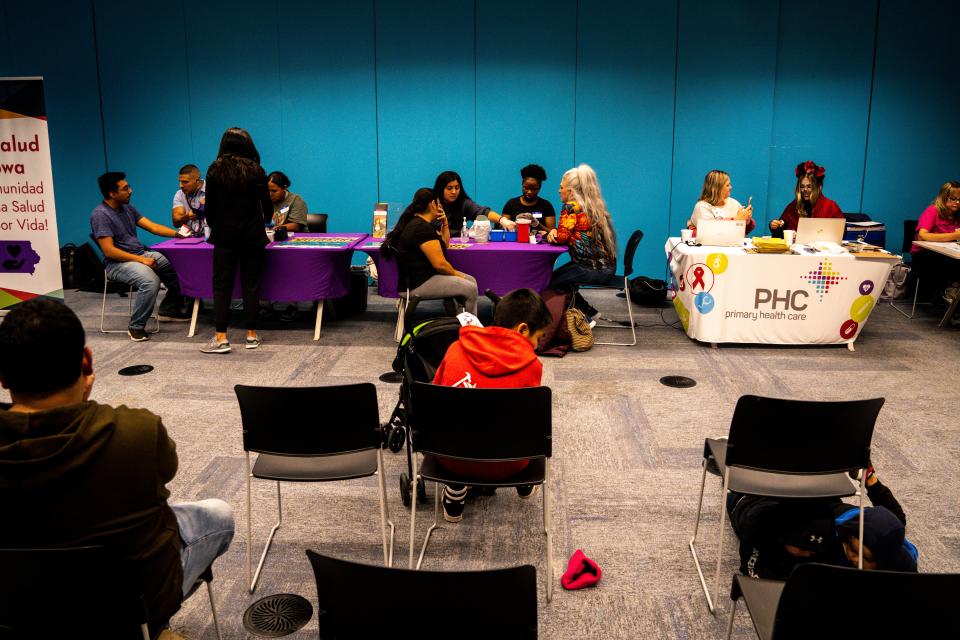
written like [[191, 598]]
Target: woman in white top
[[716, 204]]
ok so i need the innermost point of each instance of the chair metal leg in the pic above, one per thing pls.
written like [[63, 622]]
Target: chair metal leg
[[401, 312], [213, 610], [693, 540], [263, 556], [863, 475], [316, 328], [723, 520], [436, 523], [547, 526], [384, 513], [733, 613], [633, 329], [913, 309], [103, 309], [949, 312], [413, 508], [145, 631]]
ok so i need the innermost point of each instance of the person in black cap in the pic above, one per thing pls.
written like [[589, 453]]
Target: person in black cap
[[777, 534]]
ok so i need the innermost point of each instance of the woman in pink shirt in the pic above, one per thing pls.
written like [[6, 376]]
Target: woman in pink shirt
[[940, 223]]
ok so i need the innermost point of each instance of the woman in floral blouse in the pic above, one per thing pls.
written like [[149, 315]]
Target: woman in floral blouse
[[586, 228]]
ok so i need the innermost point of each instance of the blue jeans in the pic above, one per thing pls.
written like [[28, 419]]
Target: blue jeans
[[147, 283], [567, 277], [206, 530]]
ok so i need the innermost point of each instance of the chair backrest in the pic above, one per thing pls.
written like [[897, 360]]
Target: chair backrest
[[818, 601], [317, 222], [630, 251], [801, 436], [96, 247], [481, 424], [309, 420], [363, 601], [856, 216], [909, 235], [47, 593]]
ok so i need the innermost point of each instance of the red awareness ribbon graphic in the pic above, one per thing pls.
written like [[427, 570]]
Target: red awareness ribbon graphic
[[698, 279]]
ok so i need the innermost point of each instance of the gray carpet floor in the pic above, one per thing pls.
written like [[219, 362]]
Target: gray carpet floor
[[627, 453]]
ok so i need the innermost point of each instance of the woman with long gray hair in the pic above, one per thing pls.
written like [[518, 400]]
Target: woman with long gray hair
[[586, 228]]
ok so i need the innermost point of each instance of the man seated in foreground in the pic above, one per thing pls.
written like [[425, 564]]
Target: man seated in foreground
[[74, 472], [501, 356], [114, 224], [777, 534]]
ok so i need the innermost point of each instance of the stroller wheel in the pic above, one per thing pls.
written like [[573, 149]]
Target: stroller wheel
[[396, 438], [405, 489], [421, 491]]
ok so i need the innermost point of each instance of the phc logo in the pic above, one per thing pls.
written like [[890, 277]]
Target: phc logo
[[823, 277]]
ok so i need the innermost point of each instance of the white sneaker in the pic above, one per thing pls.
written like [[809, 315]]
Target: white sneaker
[[215, 346]]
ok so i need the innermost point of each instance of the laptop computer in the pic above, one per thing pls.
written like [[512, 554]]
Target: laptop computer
[[810, 230], [721, 233]]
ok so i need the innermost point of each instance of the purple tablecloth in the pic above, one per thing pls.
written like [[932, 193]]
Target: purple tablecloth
[[498, 266], [290, 273]]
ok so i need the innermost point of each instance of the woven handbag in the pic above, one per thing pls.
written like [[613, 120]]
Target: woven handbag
[[580, 332]]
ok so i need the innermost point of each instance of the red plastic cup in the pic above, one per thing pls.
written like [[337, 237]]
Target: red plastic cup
[[523, 231]]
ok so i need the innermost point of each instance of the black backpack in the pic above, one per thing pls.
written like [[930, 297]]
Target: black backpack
[[648, 292]]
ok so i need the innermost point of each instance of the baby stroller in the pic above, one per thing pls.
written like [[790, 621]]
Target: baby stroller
[[419, 355]]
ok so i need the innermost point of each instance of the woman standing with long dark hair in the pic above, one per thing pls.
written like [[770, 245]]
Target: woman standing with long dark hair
[[237, 207]]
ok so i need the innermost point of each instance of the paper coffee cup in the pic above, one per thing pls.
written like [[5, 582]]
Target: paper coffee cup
[[789, 237], [686, 235]]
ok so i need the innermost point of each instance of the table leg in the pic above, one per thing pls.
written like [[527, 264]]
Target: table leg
[[949, 314], [193, 318], [316, 330], [850, 347]]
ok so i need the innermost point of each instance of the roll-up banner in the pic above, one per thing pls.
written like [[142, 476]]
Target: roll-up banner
[[29, 247]]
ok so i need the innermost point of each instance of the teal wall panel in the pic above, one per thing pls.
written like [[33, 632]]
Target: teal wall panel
[[426, 95], [526, 74], [328, 107], [911, 149], [146, 101], [726, 60], [367, 101], [624, 111], [233, 75], [55, 40], [822, 99]]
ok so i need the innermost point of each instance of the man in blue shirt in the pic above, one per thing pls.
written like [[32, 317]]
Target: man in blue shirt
[[114, 223]]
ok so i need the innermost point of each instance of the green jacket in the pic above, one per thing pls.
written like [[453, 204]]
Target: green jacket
[[89, 474]]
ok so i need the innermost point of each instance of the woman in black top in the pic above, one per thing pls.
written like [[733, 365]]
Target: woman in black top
[[238, 205], [419, 242], [460, 207], [532, 178]]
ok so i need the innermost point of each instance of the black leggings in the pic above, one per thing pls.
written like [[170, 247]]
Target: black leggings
[[225, 261]]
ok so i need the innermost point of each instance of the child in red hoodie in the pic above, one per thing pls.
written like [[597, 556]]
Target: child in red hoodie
[[499, 356]]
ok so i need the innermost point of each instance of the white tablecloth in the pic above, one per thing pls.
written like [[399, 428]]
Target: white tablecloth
[[727, 295]]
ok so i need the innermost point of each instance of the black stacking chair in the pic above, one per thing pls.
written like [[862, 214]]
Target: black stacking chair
[[788, 449], [317, 222], [909, 232], [311, 434], [47, 593], [822, 601], [106, 285], [363, 601], [441, 427], [407, 304], [621, 281]]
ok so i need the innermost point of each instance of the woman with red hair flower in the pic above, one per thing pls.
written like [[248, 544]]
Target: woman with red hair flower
[[808, 202]]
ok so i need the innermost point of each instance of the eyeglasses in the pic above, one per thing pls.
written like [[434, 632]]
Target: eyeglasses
[[952, 199], [125, 188]]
